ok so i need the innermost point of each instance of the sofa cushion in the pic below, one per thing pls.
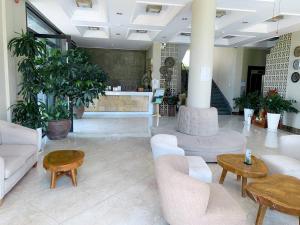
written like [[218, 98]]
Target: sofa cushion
[[198, 169], [223, 209], [282, 164], [15, 156]]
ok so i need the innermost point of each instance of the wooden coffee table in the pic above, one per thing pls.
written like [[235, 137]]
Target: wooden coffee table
[[278, 192], [63, 162], [235, 164]]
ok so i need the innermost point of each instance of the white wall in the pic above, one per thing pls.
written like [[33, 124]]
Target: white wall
[[293, 89], [231, 68], [13, 19], [227, 71]]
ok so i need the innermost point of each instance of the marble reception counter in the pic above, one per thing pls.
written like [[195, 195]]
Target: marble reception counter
[[123, 102]]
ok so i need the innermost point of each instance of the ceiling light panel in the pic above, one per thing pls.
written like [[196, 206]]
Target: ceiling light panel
[[84, 3], [154, 15], [94, 32], [142, 35]]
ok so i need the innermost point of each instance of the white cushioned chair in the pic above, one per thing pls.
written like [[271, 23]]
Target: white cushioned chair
[[18, 154], [187, 201], [164, 144], [198, 133], [288, 161]]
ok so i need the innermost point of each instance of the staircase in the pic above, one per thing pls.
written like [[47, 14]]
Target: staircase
[[219, 101]]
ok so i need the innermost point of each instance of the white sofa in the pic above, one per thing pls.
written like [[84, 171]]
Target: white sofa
[[198, 133], [187, 201], [164, 144], [18, 154], [288, 161]]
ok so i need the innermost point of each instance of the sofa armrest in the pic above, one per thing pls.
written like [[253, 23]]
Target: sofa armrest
[[1, 178], [15, 134]]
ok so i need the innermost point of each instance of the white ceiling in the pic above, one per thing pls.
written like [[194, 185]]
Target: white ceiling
[[244, 19]]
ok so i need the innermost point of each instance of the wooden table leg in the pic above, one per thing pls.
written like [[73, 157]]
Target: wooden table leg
[[261, 214], [238, 177], [74, 177], [53, 180], [222, 178], [244, 184]]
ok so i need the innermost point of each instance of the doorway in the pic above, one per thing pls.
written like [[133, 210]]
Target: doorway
[[255, 79]]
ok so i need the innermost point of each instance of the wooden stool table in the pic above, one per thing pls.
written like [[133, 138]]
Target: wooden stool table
[[278, 192], [235, 164], [63, 162]]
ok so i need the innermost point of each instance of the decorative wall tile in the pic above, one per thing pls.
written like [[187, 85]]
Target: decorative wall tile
[[277, 64], [171, 50]]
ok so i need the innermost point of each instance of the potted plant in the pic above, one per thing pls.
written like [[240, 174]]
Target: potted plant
[[249, 103], [86, 81], [58, 117], [54, 71], [28, 112], [276, 105]]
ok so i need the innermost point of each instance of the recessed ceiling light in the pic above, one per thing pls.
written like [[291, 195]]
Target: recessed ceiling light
[[141, 31], [153, 8], [185, 34], [94, 28], [84, 3], [184, 18], [119, 13]]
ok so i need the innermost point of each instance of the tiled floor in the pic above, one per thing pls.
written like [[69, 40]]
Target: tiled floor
[[116, 183]]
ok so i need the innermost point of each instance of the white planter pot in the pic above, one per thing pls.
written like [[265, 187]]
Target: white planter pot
[[273, 121], [40, 136], [248, 113]]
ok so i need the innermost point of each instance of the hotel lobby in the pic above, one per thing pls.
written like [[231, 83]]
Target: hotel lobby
[[174, 112]]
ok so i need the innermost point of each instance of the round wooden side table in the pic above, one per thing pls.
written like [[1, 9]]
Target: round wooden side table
[[63, 162], [278, 192], [235, 164]]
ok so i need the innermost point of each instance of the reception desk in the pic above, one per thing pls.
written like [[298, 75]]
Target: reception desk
[[123, 102]]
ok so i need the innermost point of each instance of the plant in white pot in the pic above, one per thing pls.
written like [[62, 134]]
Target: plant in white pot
[[276, 105], [248, 103]]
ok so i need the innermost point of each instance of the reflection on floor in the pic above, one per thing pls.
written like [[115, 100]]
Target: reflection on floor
[[116, 184]]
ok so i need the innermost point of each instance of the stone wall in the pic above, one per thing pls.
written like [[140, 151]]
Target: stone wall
[[124, 67], [277, 66]]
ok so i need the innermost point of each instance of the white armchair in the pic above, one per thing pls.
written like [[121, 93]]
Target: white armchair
[[18, 154], [164, 144], [288, 161]]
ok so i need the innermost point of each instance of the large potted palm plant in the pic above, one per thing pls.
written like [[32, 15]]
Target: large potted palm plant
[[249, 103], [28, 111], [276, 105]]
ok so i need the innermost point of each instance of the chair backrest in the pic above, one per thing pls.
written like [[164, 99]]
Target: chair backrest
[[184, 200], [290, 146], [164, 144], [198, 122]]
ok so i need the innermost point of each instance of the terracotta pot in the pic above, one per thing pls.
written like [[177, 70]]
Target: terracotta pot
[[78, 111], [58, 129]]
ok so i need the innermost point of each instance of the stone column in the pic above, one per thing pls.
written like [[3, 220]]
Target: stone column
[[202, 48]]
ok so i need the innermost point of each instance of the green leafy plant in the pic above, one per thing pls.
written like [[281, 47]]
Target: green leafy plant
[[58, 111], [29, 114], [86, 81], [275, 103], [249, 101], [29, 50]]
